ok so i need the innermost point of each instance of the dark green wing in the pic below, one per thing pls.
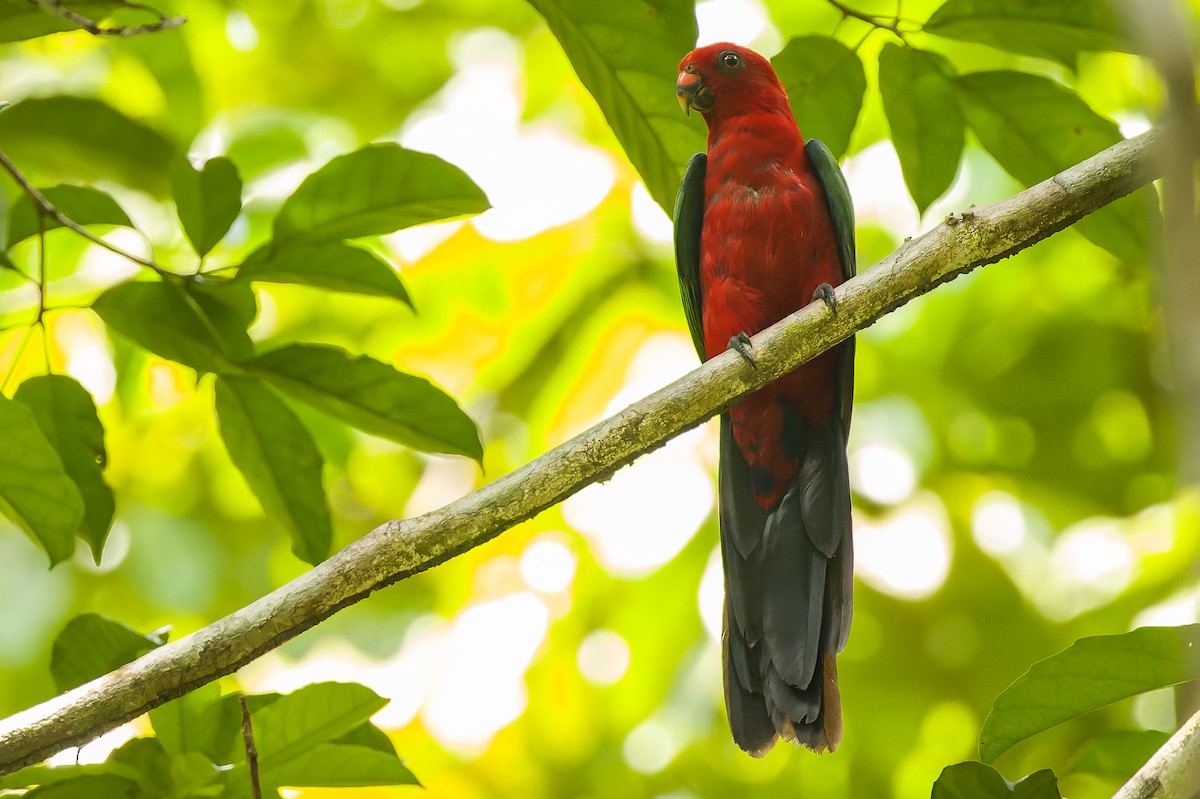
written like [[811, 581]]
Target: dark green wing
[[841, 211], [837, 195], [689, 221]]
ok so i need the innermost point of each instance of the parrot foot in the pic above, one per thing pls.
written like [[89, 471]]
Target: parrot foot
[[741, 343], [825, 294]]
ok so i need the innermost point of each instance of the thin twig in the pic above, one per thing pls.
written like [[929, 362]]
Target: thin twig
[[251, 749], [91, 26], [878, 22], [46, 207]]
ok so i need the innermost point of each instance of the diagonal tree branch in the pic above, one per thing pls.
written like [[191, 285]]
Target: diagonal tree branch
[[399, 549]]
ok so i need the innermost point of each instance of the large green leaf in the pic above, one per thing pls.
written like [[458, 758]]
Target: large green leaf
[[82, 139], [165, 320], [98, 786], [337, 267], [92, 645], [81, 204], [981, 781], [1091, 673], [825, 83], [1117, 754], [66, 414], [278, 458], [36, 492], [928, 129], [20, 19], [50, 775], [207, 200], [195, 722], [1057, 30], [230, 307], [627, 54], [372, 396], [331, 765], [378, 189], [1035, 128]]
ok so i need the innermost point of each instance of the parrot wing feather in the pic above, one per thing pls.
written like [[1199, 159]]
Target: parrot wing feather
[[689, 222]]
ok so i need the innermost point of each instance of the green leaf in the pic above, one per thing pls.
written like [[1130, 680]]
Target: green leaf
[[371, 396], [980, 781], [207, 200], [36, 493], [230, 307], [1056, 30], [92, 645], [1117, 754], [192, 723], [163, 319], [927, 125], [99, 786], [20, 19], [81, 204], [1089, 674], [315, 714], [83, 140], [825, 83], [49, 775], [339, 766], [626, 53], [337, 267], [1035, 128], [378, 189], [370, 736], [66, 414], [277, 456]]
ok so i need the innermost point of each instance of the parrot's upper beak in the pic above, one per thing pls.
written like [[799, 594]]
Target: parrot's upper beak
[[693, 92]]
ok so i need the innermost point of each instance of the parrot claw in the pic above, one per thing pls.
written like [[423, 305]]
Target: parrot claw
[[825, 294], [742, 344]]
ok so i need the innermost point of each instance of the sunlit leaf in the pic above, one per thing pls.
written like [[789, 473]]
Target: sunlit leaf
[[36, 493], [51, 775], [1091, 673], [1056, 30], [82, 139], [278, 458], [81, 204], [192, 723], [99, 786], [230, 307], [1035, 128], [66, 414], [370, 736], [207, 200], [825, 83], [372, 396], [627, 53], [378, 189], [337, 267], [928, 129], [163, 319], [330, 765], [981, 781], [20, 19], [92, 645]]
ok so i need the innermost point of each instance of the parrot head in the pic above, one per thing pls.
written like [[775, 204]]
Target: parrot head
[[724, 80]]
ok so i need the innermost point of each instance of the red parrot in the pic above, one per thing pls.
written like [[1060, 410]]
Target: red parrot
[[763, 226]]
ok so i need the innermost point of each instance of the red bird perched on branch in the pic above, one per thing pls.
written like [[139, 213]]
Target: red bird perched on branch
[[763, 226]]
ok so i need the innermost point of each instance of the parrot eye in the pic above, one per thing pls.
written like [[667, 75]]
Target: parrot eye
[[730, 61]]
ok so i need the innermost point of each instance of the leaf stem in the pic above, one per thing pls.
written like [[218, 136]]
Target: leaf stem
[[878, 22]]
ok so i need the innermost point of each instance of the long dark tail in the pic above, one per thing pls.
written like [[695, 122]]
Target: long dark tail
[[788, 580]]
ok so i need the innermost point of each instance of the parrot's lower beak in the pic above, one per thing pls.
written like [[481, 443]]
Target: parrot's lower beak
[[692, 92]]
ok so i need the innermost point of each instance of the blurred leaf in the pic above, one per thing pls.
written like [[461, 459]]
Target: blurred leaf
[[83, 140], [92, 645], [66, 414], [1057, 30], [163, 319], [36, 493], [230, 308], [81, 204], [337, 267], [278, 458], [207, 200], [1035, 128], [979, 781], [20, 19], [1117, 754], [378, 189], [928, 129], [168, 57], [49, 775], [100, 786], [330, 765], [371, 396], [627, 53], [1091, 673], [825, 83], [193, 723]]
